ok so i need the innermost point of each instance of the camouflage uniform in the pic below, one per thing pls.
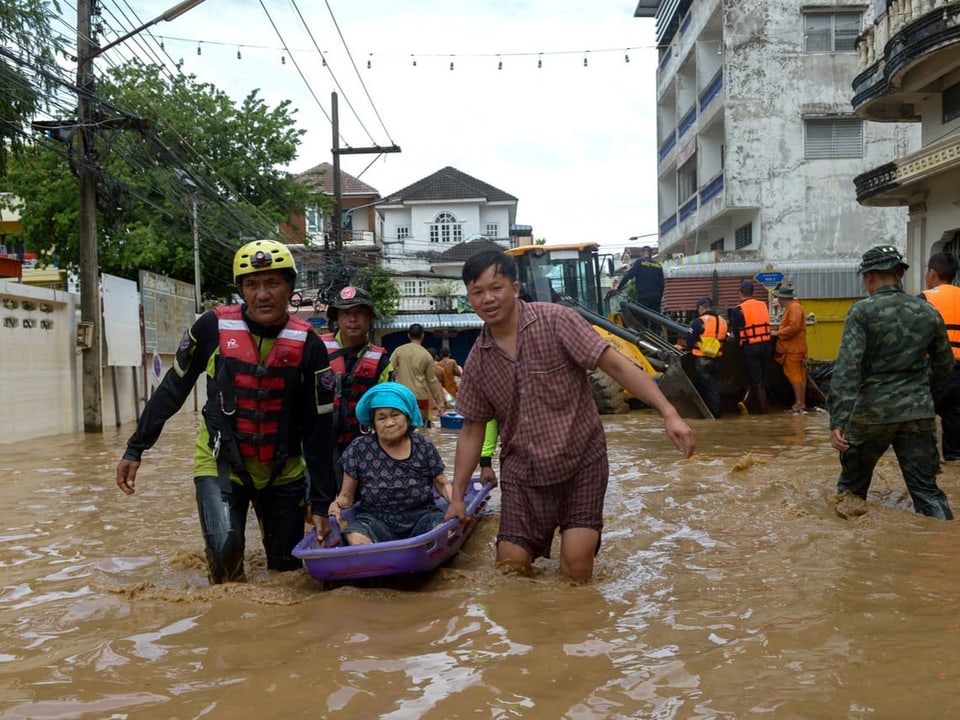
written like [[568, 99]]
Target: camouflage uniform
[[894, 348]]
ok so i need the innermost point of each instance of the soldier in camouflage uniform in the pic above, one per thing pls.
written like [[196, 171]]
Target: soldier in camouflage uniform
[[893, 354]]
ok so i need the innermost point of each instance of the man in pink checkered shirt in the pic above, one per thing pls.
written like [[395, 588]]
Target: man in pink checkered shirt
[[528, 369]]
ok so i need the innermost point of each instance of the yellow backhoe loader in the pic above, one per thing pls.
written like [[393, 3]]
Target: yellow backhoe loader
[[570, 275]]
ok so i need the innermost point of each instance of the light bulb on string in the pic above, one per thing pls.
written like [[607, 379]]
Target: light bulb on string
[[370, 61], [500, 63], [585, 59], [451, 64], [198, 49], [283, 59], [413, 59], [540, 61], [626, 57], [239, 56], [323, 59]]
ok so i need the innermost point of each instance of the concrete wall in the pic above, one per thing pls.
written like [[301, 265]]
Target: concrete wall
[[40, 368], [808, 207], [39, 362], [754, 128]]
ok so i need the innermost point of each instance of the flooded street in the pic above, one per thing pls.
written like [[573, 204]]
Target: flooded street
[[727, 587]]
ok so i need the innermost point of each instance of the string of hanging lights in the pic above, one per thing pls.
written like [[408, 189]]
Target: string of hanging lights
[[414, 58]]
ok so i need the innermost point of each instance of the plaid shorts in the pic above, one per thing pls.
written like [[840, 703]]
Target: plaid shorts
[[529, 516]]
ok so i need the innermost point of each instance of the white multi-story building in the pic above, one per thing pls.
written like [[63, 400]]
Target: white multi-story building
[[909, 71], [758, 142], [439, 212]]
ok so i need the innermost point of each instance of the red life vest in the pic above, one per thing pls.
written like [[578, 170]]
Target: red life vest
[[946, 299], [756, 322], [259, 403], [351, 387], [713, 326]]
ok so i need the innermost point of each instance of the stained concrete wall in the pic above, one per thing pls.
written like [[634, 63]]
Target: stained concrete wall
[[808, 208], [40, 369]]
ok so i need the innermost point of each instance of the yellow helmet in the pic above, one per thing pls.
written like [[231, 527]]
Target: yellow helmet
[[261, 255]]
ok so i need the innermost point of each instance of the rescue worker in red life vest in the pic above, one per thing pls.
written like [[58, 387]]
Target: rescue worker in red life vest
[[945, 297], [750, 325], [357, 364], [708, 325], [268, 417]]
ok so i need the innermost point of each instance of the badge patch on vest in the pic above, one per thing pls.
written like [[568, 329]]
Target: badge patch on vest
[[185, 340], [328, 378]]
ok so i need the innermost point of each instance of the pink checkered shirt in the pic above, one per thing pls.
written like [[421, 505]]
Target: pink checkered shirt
[[549, 425]]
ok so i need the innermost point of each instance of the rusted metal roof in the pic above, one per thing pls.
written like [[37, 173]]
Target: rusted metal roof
[[812, 279], [682, 293]]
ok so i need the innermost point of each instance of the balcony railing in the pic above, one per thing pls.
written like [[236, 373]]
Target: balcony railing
[[895, 182], [688, 208], [688, 120], [712, 89], [712, 189], [907, 30], [669, 144], [669, 224]]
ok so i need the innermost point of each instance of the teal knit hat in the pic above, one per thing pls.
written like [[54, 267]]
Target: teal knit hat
[[389, 395]]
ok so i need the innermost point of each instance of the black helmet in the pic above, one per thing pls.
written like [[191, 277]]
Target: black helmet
[[881, 257], [349, 297]]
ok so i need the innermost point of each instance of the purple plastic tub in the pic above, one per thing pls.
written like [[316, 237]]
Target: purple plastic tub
[[421, 553]]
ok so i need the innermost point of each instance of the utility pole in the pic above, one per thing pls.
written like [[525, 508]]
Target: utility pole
[[88, 167], [337, 152], [87, 220], [190, 184]]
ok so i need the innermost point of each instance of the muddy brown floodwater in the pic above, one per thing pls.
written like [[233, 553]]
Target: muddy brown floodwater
[[727, 587]]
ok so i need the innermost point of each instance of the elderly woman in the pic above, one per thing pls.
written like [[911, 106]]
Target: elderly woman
[[394, 469]]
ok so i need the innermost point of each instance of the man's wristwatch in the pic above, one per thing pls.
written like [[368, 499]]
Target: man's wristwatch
[[486, 462]]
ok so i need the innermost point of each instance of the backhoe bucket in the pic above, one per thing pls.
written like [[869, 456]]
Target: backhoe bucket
[[677, 388]]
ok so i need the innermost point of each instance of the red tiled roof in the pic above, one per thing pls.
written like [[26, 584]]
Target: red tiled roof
[[320, 177]]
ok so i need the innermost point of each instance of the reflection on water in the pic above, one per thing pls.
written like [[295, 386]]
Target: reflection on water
[[727, 586]]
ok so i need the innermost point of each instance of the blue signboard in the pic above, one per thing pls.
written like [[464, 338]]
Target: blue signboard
[[769, 279]]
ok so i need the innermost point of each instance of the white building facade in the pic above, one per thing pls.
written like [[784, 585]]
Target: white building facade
[[758, 144], [909, 71], [422, 226]]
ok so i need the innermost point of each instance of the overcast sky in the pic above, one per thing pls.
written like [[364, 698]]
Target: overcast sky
[[576, 145]]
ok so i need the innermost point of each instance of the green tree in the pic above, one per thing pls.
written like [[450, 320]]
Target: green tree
[[28, 49], [382, 288], [184, 142]]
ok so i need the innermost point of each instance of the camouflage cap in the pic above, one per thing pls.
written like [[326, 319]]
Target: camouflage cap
[[349, 297], [881, 257]]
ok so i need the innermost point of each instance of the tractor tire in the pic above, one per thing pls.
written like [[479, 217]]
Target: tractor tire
[[607, 394]]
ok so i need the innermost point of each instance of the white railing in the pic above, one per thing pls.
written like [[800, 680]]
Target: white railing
[[899, 14]]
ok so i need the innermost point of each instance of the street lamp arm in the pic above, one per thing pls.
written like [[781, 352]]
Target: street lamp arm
[[171, 14]]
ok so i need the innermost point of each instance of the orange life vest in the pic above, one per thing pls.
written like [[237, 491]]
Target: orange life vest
[[716, 329], [946, 299], [347, 394], [756, 322], [260, 399]]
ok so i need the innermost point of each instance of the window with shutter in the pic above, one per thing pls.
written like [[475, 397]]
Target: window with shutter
[[832, 138]]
